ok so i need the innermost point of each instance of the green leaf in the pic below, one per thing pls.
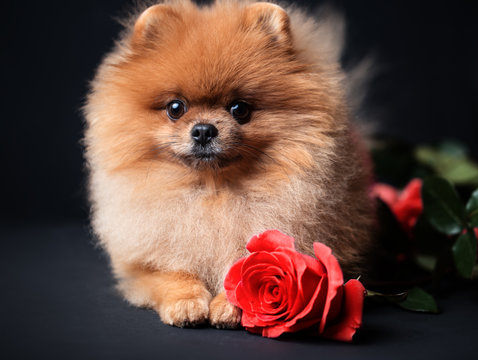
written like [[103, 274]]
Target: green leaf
[[449, 160], [474, 219], [472, 204], [453, 147], [427, 155], [442, 206], [461, 172], [472, 209], [464, 254], [419, 300]]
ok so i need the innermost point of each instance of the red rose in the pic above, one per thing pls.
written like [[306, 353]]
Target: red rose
[[280, 290], [406, 205]]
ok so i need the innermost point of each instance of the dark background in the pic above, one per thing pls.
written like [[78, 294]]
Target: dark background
[[426, 88], [57, 297]]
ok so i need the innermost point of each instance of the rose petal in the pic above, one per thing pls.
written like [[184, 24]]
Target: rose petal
[[254, 269], [247, 296], [409, 205], [249, 321], [271, 295], [254, 319], [302, 324], [411, 191], [270, 240], [308, 307], [274, 331], [335, 282], [275, 307], [279, 310], [288, 265], [351, 317], [309, 277], [313, 305], [261, 257], [253, 329], [299, 322], [269, 261], [294, 266], [232, 280], [255, 277], [314, 265], [387, 193], [309, 283], [269, 319]]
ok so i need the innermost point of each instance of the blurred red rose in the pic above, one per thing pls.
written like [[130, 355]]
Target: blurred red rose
[[406, 205], [281, 290]]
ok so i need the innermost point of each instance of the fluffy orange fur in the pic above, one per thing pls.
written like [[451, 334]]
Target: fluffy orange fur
[[173, 226]]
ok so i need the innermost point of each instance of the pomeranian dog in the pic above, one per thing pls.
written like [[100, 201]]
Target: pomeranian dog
[[207, 125]]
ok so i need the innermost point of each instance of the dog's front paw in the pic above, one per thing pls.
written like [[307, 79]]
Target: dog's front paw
[[222, 314], [185, 312]]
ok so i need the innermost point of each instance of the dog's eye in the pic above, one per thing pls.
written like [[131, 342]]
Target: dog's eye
[[175, 109], [240, 111]]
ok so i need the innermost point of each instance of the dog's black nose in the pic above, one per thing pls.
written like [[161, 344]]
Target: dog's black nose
[[203, 133]]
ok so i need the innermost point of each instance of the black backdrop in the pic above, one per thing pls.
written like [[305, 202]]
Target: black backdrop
[[427, 88]]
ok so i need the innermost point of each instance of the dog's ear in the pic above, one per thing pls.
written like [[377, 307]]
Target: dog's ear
[[154, 23], [268, 18]]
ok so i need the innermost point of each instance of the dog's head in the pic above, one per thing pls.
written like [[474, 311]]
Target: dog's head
[[213, 88]]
